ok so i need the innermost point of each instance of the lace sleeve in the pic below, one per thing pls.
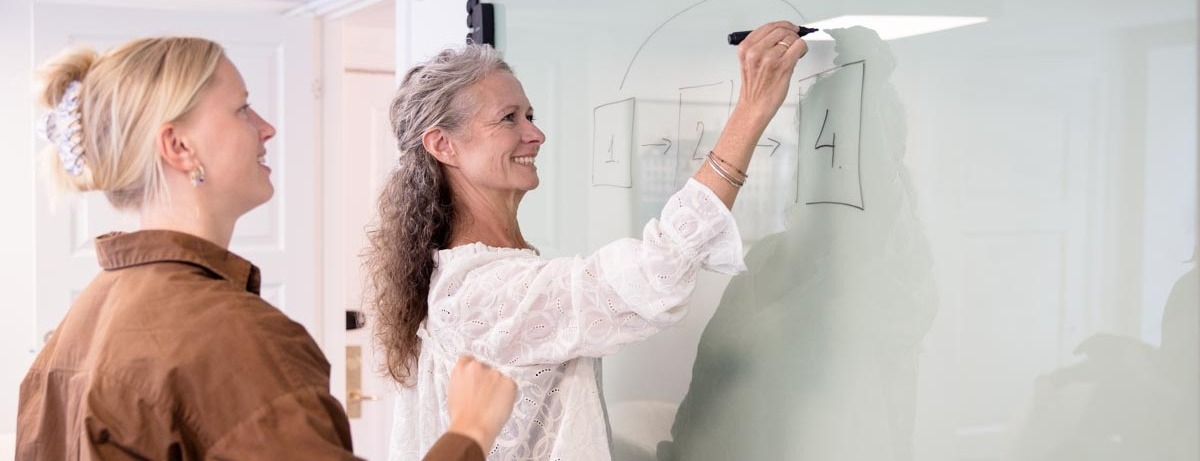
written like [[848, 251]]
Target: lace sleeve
[[526, 310]]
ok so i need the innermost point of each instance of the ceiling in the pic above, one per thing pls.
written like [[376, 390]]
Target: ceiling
[[323, 8]]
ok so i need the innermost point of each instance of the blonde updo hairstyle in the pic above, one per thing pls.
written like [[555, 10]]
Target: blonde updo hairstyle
[[127, 94]]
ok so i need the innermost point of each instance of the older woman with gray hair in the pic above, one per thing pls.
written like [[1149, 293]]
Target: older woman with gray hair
[[452, 274]]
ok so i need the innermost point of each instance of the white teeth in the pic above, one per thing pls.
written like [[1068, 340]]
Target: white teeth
[[262, 160], [523, 160]]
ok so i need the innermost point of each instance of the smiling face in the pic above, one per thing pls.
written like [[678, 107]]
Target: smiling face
[[228, 138], [496, 148]]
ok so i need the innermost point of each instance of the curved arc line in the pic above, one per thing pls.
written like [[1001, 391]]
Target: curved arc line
[[672, 18]]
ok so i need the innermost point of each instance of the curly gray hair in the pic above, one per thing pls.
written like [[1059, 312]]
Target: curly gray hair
[[416, 209]]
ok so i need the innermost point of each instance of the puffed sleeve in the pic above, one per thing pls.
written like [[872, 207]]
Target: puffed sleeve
[[527, 310]]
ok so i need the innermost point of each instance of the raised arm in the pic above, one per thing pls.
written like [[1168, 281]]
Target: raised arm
[[767, 56], [522, 310]]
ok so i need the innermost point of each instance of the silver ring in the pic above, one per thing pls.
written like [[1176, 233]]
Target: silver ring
[[785, 44]]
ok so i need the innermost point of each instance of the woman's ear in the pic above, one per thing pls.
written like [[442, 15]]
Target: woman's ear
[[176, 152], [437, 142]]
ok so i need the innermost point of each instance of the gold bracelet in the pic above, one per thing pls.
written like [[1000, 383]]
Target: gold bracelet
[[735, 168]]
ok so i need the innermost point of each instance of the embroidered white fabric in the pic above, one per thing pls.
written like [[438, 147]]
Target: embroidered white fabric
[[545, 322]]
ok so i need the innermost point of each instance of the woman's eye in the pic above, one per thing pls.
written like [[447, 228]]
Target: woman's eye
[[244, 109], [530, 117], [510, 117]]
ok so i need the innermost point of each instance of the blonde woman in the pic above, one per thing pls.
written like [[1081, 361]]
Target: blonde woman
[[170, 353]]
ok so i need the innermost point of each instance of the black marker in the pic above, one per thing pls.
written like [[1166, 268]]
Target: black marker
[[737, 37]]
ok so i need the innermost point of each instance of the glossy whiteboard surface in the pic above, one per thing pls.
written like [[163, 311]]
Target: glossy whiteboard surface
[[971, 230]]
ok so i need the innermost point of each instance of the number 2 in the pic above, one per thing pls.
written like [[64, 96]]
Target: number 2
[[700, 128]]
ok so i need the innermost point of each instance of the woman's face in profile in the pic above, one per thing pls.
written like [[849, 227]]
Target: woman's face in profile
[[228, 138], [497, 147]]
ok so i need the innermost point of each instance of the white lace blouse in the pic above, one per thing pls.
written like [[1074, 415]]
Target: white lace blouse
[[545, 322]]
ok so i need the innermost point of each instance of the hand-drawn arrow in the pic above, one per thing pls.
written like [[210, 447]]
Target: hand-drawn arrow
[[668, 144], [773, 148]]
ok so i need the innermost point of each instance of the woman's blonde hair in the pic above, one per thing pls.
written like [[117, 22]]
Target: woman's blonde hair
[[126, 95]]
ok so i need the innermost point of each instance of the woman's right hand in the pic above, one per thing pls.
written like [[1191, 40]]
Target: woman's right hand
[[480, 400], [767, 65]]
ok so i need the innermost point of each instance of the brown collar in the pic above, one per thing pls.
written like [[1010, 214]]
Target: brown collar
[[118, 250]]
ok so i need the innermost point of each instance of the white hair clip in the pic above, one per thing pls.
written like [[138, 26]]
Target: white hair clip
[[62, 127]]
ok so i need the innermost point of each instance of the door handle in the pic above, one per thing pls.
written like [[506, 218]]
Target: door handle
[[357, 396], [354, 394]]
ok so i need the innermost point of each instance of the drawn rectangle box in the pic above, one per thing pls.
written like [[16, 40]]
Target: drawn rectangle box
[[831, 106], [612, 144], [703, 111]]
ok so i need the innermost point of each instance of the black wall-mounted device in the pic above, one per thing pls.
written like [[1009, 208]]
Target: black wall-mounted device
[[481, 19]]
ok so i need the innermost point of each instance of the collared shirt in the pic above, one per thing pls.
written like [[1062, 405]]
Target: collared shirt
[[170, 353]]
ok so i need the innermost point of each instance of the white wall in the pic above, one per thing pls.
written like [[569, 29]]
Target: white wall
[[424, 27], [17, 182]]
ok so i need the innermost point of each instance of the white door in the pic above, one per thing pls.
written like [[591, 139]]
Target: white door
[[366, 133], [359, 82]]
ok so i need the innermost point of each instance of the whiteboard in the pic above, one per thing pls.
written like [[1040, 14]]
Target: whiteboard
[[971, 229]]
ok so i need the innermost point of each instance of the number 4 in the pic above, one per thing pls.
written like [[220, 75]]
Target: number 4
[[832, 145]]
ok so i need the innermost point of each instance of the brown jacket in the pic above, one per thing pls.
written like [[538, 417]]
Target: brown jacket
[[170, 353]]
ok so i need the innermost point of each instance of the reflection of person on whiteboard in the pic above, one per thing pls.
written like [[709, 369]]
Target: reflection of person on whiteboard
[[1124, 398], [452, 273], [812, 353]]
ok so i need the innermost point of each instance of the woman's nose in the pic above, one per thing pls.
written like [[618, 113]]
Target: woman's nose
[[534, 135], [265, 129]]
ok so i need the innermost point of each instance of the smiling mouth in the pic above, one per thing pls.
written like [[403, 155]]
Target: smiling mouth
[[524, 160]]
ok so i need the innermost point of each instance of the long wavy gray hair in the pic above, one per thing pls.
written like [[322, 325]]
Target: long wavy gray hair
[[416, 208]]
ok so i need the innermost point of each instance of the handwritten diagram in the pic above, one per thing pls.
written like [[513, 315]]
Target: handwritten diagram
[[612, 144], [681, 109], [825, 166], [830, 172], [703, 111]]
